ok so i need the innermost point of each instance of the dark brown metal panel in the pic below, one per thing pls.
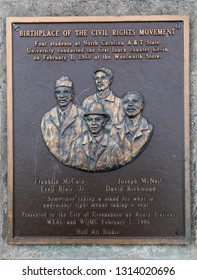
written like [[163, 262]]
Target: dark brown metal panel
[[146, 199]]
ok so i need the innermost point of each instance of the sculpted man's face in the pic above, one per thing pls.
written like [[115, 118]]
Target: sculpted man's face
[[95, 123], [132, 105], [102, 81], [64, 96]]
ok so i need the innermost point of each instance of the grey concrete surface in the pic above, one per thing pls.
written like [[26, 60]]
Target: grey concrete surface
[[94, 8]]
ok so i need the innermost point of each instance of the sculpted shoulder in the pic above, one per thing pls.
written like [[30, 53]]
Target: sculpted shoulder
[[50, 113], [147, 125], [151, 127], [118, 99], [89, 99]]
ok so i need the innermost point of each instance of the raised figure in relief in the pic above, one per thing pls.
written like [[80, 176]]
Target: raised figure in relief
[[134, 132], [95, 149], [63, 123], [106, 134], [112, 104]]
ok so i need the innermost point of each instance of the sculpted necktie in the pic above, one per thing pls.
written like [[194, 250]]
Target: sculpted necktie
[[94, 146]]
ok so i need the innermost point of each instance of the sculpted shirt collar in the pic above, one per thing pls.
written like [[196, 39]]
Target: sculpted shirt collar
[[102, 139], [138, 130], [98, 138], [132, 126], [64, 112], [110, 97]]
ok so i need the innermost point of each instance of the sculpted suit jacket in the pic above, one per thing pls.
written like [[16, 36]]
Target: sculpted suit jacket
[[108, 155], [58, 137], [134, 143]]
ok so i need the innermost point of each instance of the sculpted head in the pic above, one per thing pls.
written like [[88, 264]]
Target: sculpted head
[[64, 91], [96, 118], [133, 103], [103, 78]]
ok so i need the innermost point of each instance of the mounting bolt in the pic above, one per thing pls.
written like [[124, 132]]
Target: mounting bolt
[[16, 27], [178, 25]]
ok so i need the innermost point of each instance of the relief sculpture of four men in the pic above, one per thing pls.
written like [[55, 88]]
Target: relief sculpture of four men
[[104, 133]]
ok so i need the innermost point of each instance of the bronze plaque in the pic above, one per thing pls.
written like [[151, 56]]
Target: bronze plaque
[[98, 130]]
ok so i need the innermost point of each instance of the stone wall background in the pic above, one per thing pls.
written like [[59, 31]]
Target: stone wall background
[[27, 8]]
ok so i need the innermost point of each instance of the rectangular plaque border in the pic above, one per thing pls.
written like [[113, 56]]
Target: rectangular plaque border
[[66, 240]]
